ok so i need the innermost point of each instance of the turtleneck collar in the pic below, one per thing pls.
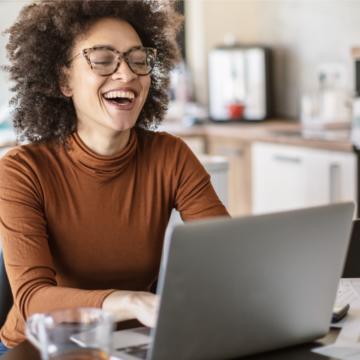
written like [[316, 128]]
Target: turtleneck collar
[[101, 165]]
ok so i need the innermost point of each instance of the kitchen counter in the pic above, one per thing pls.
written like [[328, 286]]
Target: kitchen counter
[[255, 148], [274, 131]]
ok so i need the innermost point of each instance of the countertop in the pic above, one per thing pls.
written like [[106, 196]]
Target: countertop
[[278, 131], [272, 130]]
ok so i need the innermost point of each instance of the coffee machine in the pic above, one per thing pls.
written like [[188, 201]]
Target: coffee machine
[[239, 83]]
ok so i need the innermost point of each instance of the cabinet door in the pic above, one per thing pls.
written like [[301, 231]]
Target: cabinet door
[[239, 184], [195, 143], [342, 168], [279, 180], [289, 177]]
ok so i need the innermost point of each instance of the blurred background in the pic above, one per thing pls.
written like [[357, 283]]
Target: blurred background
[[266, 96]]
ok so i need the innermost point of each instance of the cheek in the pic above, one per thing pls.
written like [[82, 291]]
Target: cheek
[[86, 88]]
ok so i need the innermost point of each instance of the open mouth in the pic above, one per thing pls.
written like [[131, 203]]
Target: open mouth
[[122, 99]]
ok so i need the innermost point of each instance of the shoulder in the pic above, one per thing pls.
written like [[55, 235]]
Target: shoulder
[[28, 157], [169, 152], [160, 141]]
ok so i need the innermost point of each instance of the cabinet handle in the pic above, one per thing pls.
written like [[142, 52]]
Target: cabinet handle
[[334, 185], [284, 158]]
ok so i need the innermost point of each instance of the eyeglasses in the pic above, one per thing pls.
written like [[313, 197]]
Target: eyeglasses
[[105, 60]]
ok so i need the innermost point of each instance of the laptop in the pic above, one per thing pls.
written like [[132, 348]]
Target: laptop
[[240, 286]]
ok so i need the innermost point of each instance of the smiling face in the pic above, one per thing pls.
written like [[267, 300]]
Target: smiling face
[[95, 97]]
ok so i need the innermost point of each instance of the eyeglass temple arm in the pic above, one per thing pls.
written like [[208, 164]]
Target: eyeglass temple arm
[[75, 56]]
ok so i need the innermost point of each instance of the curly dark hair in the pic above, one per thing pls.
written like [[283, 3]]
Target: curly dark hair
[[39, 47]]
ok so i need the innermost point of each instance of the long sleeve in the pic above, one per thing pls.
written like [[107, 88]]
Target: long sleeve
[[75, 225], [195, 195], [24, 234]]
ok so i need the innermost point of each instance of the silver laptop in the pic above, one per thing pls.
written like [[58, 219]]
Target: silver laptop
[[234, 287]]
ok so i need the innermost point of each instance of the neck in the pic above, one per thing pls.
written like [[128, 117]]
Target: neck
[[103, 144]]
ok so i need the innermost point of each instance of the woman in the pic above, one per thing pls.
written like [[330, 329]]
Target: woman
[[84, 206]]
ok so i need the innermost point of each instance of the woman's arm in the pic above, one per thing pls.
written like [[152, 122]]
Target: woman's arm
[[195, 196], [28, 259]]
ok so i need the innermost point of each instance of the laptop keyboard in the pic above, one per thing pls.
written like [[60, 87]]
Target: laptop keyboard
[[139, 351]]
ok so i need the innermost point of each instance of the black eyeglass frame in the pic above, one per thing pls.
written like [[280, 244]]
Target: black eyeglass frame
[[120, 57]]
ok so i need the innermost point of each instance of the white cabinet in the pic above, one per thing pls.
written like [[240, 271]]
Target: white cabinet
[[287, 177]]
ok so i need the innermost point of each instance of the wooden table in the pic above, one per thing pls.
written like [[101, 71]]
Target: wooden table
[[26, 351]]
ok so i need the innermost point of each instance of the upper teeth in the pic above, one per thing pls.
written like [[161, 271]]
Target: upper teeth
[[116, 94]]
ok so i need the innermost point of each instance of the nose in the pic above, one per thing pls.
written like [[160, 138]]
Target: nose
[[123, 73]]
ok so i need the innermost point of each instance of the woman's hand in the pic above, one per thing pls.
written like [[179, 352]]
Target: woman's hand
[[140, 305]]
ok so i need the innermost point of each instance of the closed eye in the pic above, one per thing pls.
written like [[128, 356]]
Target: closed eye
[[102, 62]]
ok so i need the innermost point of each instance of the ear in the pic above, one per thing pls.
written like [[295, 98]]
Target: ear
[[64, 82]]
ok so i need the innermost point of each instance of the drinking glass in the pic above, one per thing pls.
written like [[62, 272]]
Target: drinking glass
[[72, 334]]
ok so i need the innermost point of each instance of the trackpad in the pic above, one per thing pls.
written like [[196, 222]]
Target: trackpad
[[125, 339]]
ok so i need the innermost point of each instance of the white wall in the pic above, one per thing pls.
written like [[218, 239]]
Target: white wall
[[9, 10], [304, 33]]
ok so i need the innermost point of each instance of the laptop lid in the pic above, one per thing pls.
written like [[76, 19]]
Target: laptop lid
[[239, 286]]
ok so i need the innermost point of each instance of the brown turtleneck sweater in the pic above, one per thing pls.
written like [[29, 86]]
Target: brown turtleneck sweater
[[76, 225]]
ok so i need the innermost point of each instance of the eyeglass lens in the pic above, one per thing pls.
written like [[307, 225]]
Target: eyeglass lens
[[105, 61]]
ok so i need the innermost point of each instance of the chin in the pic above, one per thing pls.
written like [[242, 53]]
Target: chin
[[122, 126]]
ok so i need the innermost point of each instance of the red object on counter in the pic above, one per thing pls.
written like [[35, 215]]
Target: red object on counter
[[235, 110]]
